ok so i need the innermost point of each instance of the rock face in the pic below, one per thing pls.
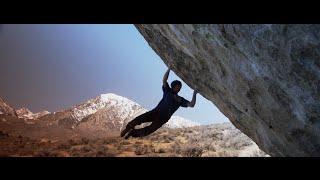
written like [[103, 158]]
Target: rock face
[[264, 78]]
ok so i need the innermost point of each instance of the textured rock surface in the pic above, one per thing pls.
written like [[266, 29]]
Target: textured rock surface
[[264, 78]]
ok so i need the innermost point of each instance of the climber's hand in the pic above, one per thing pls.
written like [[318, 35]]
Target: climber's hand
[[195, 90]]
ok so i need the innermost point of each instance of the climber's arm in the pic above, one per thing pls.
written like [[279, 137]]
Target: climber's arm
[[165, 85], [165, 77], [193, 101]]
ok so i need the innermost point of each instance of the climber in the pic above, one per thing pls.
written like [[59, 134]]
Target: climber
[[161, 114]]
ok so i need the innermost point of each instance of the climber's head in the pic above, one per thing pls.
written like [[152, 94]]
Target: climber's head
[[176, 86]]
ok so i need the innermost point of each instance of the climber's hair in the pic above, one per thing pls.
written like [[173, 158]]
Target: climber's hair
[[176, 82]]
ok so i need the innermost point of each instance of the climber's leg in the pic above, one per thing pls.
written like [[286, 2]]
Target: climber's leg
[[146, 130], [145, 117]]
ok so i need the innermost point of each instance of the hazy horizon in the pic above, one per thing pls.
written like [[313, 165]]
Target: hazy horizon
[[53, 67]]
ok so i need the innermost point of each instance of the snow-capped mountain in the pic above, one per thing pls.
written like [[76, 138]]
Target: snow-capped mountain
[[109, 111], [114, 111], [25, 113], [180, 122], [40, 114], [125, 107], [6, 109]]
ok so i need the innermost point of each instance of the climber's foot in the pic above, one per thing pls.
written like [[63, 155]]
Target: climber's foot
[[124, 132], [129, 134]]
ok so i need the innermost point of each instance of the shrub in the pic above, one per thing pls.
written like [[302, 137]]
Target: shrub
[[161, 150], [138, 142], [140, 150], [72, 142], [192, 151], [85, 140], [167, 140], [104, 154], [85, 149], [43, 153], [176, 148], [125, 143], [109, 141], [64, 146]]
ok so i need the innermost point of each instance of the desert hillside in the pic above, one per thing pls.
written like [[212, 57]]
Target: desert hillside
[[17, 138]]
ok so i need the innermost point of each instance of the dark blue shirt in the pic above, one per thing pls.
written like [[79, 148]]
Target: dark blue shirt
[[170, 102]]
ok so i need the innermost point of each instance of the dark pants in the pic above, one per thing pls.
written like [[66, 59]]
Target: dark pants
[[150, 116]]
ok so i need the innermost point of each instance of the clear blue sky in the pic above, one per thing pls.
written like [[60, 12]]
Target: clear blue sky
[[56, 66]]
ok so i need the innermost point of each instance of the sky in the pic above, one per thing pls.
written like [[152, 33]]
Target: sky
[[52, 67]]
